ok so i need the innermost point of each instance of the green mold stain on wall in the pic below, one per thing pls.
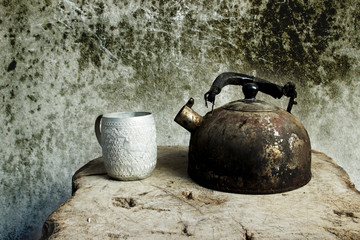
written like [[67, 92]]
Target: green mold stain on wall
[[294, 37], [301, 39]]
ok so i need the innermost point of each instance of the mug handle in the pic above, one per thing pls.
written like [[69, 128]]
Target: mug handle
[[97, 128]]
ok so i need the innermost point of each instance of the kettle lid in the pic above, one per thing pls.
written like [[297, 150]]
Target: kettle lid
[[250, 105]]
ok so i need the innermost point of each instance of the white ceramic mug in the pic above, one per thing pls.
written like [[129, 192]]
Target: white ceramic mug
[[128, 142]]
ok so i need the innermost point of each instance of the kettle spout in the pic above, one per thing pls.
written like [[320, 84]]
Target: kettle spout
[[188, 118]]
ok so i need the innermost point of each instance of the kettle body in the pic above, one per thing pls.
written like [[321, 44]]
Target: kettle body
[[247, 146]]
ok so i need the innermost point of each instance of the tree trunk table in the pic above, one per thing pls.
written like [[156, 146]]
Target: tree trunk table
[[169, 205]]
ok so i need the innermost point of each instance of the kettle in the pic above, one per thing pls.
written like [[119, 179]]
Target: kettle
[[247, 146]]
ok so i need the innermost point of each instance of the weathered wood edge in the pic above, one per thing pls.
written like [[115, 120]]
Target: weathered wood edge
[[94, 167], [345, 177]]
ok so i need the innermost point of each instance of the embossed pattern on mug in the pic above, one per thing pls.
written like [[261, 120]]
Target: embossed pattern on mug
[[131, 146]]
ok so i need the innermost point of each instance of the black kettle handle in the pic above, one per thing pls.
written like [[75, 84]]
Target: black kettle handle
[[232, 78]]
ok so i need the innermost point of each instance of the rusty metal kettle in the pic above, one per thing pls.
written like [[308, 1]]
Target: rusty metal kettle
[[247, 146]]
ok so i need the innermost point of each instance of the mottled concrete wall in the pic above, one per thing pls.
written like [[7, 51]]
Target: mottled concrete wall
[[65, 62]]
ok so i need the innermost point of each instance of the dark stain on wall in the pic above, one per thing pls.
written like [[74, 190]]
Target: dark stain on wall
[[293, 36], [9, 114], [89, 51], [12, 65], [298, 39]]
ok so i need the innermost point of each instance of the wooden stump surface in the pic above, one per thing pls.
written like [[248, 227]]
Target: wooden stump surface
[[169, 205]]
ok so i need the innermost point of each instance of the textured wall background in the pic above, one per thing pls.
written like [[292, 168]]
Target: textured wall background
[[65, 62]]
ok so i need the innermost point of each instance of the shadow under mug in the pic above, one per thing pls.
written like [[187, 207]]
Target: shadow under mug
[[128, 142]]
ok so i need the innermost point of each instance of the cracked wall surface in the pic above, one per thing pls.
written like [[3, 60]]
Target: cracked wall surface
[[64, 62]]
